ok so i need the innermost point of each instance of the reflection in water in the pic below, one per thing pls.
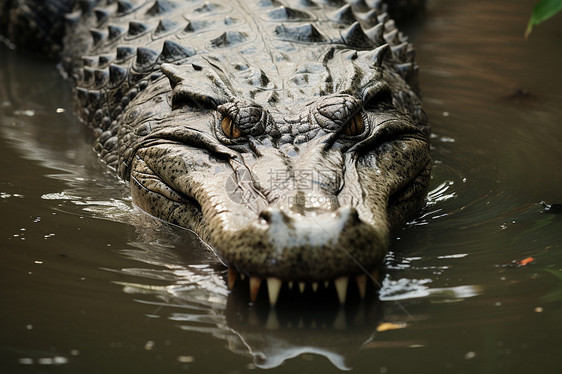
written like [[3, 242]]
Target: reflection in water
[[196, 298], [192, 293]]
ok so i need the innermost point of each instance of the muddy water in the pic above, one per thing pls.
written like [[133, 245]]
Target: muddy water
[[90, 285]]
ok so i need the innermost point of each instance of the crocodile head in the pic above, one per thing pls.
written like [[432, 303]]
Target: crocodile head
[[299, 179]]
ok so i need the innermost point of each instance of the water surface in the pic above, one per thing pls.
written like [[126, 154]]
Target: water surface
[[88, 284]]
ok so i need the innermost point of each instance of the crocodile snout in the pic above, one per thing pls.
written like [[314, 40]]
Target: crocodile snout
[[283, 247]]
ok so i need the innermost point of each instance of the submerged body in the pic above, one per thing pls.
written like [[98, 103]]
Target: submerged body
[[288, 135]]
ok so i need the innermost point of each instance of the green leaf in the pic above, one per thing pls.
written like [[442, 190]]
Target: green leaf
[[556, 294], [543, 11], [552, 296], [556, 273]]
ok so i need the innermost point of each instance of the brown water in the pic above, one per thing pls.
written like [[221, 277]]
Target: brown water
[[89, 285]]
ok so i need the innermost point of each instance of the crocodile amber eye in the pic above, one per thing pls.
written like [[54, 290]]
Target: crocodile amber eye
[[355, 126], [229, 128]]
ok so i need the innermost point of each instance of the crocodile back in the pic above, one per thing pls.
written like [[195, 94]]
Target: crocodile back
[[265, 51]]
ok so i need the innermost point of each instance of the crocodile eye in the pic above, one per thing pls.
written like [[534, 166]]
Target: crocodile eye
[[229, 128], [355, 126]]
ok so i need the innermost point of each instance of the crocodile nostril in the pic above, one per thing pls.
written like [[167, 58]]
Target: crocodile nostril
[[273, 216], [264, 217]]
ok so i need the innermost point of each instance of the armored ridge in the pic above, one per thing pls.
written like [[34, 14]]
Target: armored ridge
[[289, 135], [263, 49]]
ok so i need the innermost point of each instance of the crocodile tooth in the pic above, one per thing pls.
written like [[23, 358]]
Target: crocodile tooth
[[314, 286], [232, 275], [114, 32], [160, 7], [146, 57], [354, 36], [302, 285], [341, 288], [326, 283], [376, 33], [361, 285], [97, 36], [123, 6], [137, 28], [255, 283], [273, 288], [290, 284], [172, 51], [117, 74], [242, 276], [343, 15]]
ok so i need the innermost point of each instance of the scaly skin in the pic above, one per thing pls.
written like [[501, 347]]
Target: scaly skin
[[289, 135]]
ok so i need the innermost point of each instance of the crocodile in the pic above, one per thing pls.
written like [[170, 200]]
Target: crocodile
[[288, 135]]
